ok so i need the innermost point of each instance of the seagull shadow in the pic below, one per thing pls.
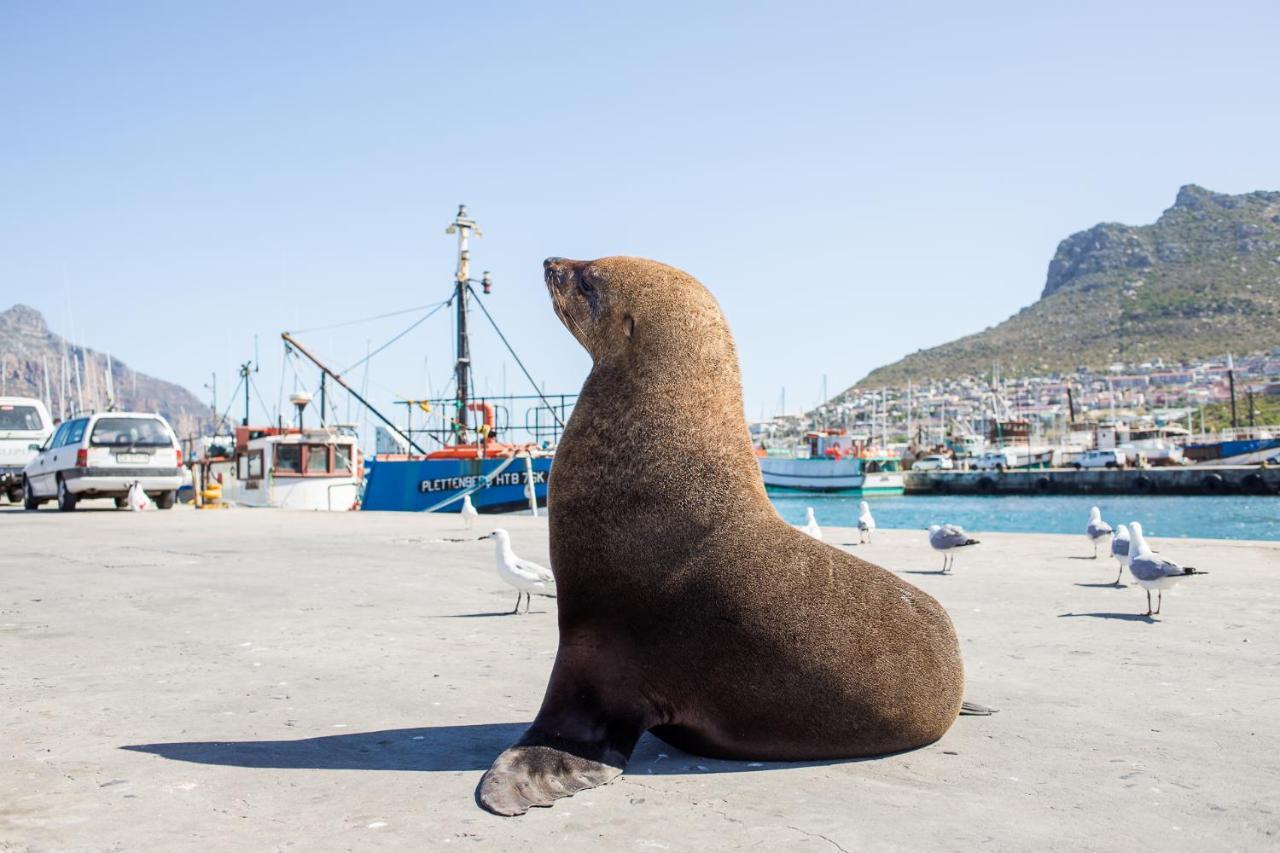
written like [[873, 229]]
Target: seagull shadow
[[916, 572], [479, 615], [1109, 584], [432, 749], [1123, 617], [1084, 558]]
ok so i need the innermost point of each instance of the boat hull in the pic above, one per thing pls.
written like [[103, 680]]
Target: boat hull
[[1247, 451], [416, 485], [827, 475]]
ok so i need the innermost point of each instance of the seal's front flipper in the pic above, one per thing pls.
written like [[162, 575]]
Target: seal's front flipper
[[973, 709], [532, 774]]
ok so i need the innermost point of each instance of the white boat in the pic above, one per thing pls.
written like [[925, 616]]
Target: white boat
[[836, 462], [311, 469]]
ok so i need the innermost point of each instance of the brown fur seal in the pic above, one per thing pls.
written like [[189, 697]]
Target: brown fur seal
[[687, 606]]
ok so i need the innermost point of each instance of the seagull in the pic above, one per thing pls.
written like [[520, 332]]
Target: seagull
[[810, 525], [866, 522], [946, 538], [1097, 529], [1151, 571], [1120, 550], [528, 578], [469, 514]]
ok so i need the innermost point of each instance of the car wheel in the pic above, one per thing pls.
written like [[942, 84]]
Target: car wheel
[[66, 500], [121, 503], [15, 494], [165, 500], [1076, 465], [29, 497]]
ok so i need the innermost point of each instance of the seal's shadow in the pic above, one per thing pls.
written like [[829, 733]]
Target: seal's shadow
[[432, 748]]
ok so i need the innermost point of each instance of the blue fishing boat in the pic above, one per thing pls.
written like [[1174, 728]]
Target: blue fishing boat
[[462, 451], [1238, 448]]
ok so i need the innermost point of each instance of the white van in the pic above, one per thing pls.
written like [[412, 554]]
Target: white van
[[1101, 459], [102, 456], [24, 426], [995, 460]]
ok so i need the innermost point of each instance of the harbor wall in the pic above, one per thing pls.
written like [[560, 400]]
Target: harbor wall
[[1182, 480]]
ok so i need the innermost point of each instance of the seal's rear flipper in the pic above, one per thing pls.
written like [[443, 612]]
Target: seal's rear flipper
[[973, 709]]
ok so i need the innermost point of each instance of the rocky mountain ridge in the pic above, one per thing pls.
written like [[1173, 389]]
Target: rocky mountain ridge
[[28, 348], [1203, 280]]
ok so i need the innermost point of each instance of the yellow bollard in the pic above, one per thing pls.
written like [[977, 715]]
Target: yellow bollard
[[212, 495]]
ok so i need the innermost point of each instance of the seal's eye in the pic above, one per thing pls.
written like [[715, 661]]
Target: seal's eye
[[585, 286]]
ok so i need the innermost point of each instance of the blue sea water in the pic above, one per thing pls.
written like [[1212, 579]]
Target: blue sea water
[[1196, 517]]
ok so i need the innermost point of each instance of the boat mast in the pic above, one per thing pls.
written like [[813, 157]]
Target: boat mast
[[463, 225]]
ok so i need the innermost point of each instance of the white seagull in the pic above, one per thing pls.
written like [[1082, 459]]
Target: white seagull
[[528, 578], [1097, 529], [810, 525], [1151, 571], [947, 538], [866, 522], [469, 514], [1120, 550]]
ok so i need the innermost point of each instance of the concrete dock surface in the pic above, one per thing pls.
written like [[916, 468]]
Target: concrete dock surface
[[265, 680]]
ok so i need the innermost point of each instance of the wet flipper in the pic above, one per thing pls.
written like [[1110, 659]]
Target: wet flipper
[[532, 775], [583, 736]]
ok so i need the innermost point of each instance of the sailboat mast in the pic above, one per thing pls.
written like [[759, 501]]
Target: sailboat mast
[[463, 225]]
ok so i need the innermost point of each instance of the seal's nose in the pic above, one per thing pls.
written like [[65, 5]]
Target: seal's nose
[[555, 270]]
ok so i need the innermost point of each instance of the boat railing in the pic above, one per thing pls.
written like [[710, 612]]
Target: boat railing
[[540, 421]]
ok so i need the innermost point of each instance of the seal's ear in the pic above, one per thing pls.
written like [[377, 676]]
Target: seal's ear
[[628, 325]]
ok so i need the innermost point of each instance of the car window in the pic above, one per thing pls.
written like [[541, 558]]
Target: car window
[[20, 418], [130, 432], [60, 434], [75, 431]]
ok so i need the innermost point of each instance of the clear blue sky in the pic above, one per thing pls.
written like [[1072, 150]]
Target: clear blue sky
[[853, 181]]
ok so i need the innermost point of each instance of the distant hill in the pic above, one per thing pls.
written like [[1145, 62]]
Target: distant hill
[[27, 345], [1203, 280]]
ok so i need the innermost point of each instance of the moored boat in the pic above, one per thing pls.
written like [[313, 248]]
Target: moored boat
[[836, 462], [469, 457]]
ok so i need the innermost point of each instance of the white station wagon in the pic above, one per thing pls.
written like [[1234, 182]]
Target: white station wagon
[[102, 456]]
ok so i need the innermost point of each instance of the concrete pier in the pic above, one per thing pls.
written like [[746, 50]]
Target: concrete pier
[[267, 680], [1172, 480]]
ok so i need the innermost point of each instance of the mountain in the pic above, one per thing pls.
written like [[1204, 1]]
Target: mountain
[[1204, 280], [27, 346]]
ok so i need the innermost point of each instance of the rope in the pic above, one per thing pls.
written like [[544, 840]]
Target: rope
[[261, 402], [503, 337], [223, 419], [358, 322], [485, 479], [416, 324]]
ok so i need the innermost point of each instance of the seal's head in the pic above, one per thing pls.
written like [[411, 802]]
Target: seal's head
[[613, 305]]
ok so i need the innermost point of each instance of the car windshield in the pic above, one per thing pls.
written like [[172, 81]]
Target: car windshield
[[20, 419], [130, 432]]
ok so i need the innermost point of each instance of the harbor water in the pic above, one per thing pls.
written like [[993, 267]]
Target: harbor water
[[1198, 517]]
